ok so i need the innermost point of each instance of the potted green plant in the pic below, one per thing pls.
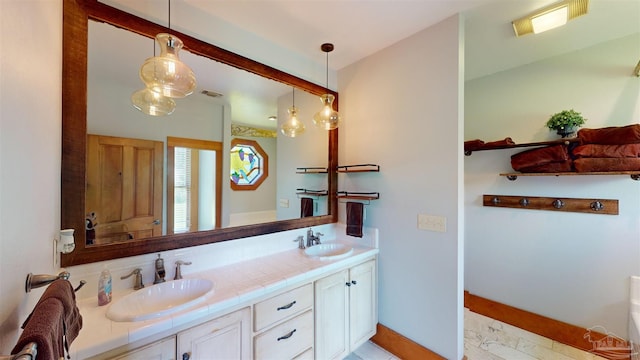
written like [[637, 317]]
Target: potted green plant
[[565, 122]]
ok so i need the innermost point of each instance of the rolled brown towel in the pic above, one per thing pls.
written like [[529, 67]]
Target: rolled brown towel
[[539, 156], [607, 151], [614, 135], [471, 145], [606, 164]]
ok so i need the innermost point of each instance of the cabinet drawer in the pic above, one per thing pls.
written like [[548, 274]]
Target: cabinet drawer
[[285, 340], [307, 355], [282, 306]]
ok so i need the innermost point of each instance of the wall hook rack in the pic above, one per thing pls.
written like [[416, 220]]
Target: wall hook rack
[[590, 206]]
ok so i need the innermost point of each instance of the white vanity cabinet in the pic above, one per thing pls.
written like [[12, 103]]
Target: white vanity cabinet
[[164, 349], [227, 337], [345, 310]]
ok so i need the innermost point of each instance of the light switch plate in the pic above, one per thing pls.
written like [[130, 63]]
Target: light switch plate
[[432, 223]]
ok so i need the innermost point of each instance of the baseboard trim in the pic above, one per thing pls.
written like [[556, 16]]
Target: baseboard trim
[[402, 347], [553, 329]]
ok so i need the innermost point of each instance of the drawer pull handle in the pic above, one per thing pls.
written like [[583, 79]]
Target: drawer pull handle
[[285, 337], [288, 306]]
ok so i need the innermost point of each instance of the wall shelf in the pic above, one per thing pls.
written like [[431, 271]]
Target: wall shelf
[[635, 175], [359, 168], [312, 192], [358, 195], [590, 206], [311, 170]]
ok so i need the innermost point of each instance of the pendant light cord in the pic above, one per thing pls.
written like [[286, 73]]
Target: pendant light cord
[[327, 72], [293, 94], [169, 6]]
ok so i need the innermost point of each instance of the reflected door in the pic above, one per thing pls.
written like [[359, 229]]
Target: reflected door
[[124, 188]]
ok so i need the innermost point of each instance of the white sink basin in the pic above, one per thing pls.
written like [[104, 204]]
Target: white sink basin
[[329, 251], [159, 300]]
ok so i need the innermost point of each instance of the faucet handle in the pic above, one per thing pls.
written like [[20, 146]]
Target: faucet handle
[[138, 279], [300, 241], [179, 263]]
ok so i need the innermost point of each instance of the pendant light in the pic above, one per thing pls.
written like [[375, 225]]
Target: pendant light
[[166, 74], [152, 103], [293, 126], [327, 118]]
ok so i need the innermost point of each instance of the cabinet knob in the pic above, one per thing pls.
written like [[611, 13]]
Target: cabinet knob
[[186, 356], [353, 282], [348, 283]]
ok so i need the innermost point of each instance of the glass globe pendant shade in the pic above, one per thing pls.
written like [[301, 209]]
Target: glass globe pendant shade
[[152, 103], [327, 118], [166, 74], [292, 127]]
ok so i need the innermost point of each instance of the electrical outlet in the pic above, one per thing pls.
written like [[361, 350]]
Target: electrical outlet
[[284, 203], [432, 223]]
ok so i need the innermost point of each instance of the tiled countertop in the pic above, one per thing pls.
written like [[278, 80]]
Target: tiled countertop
[[237, 284]]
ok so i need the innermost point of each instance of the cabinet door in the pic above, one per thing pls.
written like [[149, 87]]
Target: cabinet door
[[362, 303], [332, 316], [161, 350], [227, 337]]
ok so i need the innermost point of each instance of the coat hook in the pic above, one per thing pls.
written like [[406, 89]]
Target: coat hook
[[558, 204], [597, 206], [495, 200], [524, 202]]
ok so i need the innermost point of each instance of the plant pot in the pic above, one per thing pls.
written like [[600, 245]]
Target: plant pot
[[566, 131]]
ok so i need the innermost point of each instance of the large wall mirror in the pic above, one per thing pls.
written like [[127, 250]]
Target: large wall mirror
[[184, 194]]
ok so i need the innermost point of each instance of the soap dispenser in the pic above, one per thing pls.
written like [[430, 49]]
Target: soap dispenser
[[160, 272]]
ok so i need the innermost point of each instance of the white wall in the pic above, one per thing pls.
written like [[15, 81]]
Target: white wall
[[309, 149], [568, 266], [402, 110], [30, 133]]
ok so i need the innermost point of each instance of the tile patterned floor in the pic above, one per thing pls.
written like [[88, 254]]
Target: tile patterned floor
[[489, 339], [370, 351]]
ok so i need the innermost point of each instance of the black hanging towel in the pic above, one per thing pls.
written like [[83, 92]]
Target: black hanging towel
[[355, 212], [306, 207]]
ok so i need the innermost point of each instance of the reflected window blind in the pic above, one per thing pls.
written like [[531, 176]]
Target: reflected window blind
[[182, 190]]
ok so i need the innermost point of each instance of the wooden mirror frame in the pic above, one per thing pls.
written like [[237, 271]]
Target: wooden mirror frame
[[76, 16]]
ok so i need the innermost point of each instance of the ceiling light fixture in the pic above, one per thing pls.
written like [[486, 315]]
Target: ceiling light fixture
[[293, 126], [327, 118], [152, 103], [166, 74], [550, 17]]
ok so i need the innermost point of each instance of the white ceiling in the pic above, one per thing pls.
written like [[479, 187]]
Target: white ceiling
[[359, 28]]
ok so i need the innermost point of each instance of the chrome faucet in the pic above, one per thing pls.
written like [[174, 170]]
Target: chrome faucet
[[137, 285], [313, 239], [178, 269]]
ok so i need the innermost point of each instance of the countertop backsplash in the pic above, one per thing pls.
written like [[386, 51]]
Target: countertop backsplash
[[205, 257]]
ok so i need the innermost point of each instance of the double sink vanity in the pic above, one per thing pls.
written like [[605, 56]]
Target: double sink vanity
[[319, 302]]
